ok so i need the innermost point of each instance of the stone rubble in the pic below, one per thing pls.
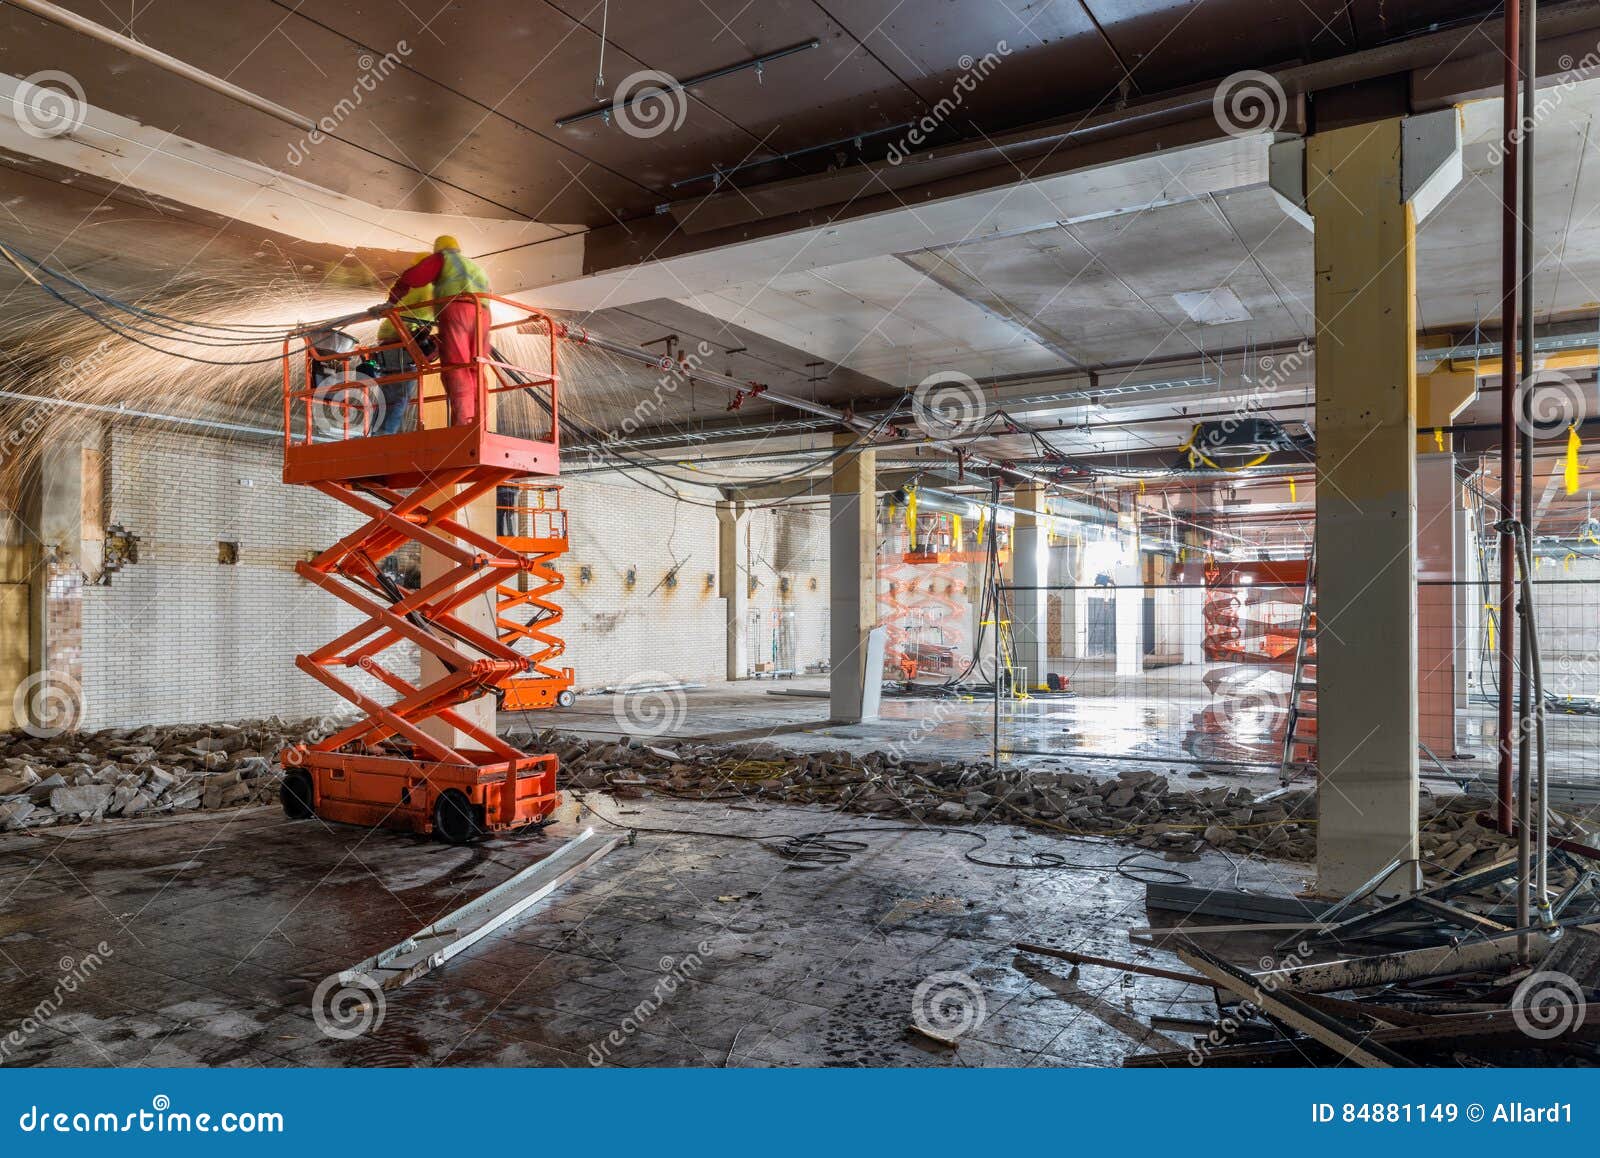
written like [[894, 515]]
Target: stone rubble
[[160, 770], [140, 772], [1141, 807]]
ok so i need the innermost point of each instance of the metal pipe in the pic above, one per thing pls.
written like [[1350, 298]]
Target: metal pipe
[[71, 20], [1525, 476], [948, 501], [1508, 374], [756, 62], [721, 175], [153, 416], [1525, 805], [868, 426], [1540, 888]]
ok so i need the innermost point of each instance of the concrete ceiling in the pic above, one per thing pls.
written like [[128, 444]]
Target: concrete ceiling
[[1138, 267], [465, 124]]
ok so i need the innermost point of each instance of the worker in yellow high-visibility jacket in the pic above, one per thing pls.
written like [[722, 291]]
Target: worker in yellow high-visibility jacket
[[463, 321]]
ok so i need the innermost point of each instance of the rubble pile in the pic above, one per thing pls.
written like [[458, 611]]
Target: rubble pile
[[155, 770], [1143, 807], [139, 772]]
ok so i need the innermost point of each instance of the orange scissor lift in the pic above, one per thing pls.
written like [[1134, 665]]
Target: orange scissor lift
[[386, 768], [534, 524]]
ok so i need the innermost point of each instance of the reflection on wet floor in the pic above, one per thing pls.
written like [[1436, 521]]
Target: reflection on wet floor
[[1228, 719]]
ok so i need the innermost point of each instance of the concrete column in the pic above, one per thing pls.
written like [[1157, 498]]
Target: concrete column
[[1030, 555], [1365, 259], [1128, 575], [478, 516], [733, 584], [1439, 640], [65, 516], [852, 579]]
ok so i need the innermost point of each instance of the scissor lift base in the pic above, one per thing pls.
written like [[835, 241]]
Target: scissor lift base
[[453, 801]]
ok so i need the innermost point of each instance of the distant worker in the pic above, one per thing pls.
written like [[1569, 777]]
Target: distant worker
[[463, 324], [418, 321]]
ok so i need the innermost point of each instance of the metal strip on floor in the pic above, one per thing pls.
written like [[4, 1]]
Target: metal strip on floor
[[460, 929]]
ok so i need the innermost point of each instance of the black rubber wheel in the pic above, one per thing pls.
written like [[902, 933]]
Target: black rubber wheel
[[565, 700], [454, 820], [296, 795]]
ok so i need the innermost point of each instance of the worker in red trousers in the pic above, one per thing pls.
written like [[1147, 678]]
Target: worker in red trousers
[[463, 323]]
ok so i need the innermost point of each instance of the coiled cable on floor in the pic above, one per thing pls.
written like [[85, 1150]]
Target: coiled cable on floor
[[813, 850]]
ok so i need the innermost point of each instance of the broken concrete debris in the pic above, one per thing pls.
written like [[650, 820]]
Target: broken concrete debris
[[138, 772], [1140, 806], [156, 770]]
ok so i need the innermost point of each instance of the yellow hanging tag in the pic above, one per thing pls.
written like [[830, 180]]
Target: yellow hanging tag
[[1489, 620], [983, 522], [1293, 497], [955, 532], [1571, 470], [1438, 437], [911, 518]]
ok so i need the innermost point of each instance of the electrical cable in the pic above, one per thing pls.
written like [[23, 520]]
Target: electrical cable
[[823, 847], [249, 333]]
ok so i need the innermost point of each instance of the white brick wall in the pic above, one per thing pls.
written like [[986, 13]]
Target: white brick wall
[[181, 637], [614, 631]]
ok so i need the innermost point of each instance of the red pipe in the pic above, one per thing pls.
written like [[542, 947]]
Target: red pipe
[[1508, 396]]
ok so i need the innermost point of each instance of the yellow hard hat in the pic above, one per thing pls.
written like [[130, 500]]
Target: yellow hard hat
[[445, 241]]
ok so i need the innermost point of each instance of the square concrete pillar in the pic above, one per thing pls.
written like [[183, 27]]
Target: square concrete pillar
[[1030, 555], [1365, 258], [733, 584], [1440, 649], [853, 580]]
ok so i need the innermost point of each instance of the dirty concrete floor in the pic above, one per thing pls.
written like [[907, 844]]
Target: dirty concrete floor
[[220, 927]]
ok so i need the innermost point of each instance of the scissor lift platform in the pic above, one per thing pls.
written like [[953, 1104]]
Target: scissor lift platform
[[386, 766]]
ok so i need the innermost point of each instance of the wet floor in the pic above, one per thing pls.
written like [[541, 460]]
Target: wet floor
[[202, 942]]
